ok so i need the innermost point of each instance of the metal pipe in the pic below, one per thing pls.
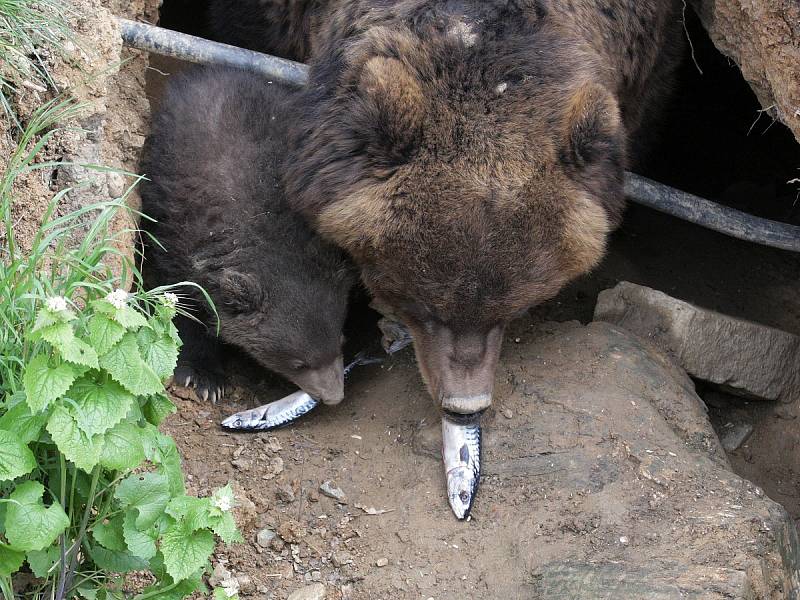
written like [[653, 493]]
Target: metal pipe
[[198, 50], [641, 190], [711, 215]]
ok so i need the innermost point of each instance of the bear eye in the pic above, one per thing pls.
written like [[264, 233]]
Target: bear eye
[[298, 365]]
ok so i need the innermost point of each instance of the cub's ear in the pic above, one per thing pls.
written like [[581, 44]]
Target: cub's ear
[[393, 110], [594, 135], [240, 291]]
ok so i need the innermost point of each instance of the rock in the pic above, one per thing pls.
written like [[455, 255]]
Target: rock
[[244, 510], [744, 358], [734, 436], [381, 562], [329, 489], [219, 575], [763, 37], [246, 585], [610, 441], [507, 413], [264, 537], [285, 493], [341, 558], [310, 592], [291, 531]]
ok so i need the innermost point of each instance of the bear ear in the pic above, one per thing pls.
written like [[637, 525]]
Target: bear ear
[[394, 109], [241, 291], [594, 130]]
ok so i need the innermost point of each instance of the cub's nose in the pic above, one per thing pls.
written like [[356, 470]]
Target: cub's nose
[[325, 383]]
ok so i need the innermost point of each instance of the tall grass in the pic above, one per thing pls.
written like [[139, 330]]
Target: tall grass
[[30, 31]]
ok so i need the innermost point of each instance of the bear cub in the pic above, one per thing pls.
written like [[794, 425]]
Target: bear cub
[[213, 161]]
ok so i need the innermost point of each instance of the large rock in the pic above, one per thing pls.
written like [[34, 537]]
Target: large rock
[[745, 358], [763, 37], [609, 482]]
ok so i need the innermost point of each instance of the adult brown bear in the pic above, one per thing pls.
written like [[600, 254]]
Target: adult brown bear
[[469, 155]]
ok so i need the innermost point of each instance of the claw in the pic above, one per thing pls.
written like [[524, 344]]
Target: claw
[[188, 381]]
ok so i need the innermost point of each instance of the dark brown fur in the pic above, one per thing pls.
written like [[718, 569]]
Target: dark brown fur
[[469, 155], [214, 158]]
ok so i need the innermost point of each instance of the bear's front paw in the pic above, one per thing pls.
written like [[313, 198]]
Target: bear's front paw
[[208, 385]]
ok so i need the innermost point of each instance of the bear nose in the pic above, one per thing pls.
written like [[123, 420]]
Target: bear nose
[[325, 383], [466, 404]]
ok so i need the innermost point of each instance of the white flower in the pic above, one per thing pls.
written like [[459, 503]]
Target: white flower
[[117, 298], [231, 587], [224, 503], [57, 304], [170, 299]]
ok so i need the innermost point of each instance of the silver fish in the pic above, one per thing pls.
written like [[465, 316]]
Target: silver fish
[[287, 409], [273, 415], [461, 452]]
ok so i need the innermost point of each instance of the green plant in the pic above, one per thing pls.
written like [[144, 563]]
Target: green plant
[[29, 31], [89, 487]]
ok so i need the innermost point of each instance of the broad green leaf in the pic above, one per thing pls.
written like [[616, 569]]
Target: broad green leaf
[[170, 464], [126, 366], [10, 560], [62, 338], [182, 590], [160, 353], [146, 492], [122, 448], [26, 426], [115, 561], [102, 405], [44, 319], [192, 513], [130, 318], [225, 527], [16, 459], [41, 561], [44, 383], [185, 551], [140, 543], [104, 333], [89, 593], [73, 443], [157, 407], [29, 524], [109, 534]]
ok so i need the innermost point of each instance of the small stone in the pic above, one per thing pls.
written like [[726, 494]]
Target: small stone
[[246, 585], [381, 562], [219, 575], [339, 559], [285, 493], [736, 435], [264, 537], [309, 592], [241, 464], [313, 496], [330, 489], [507, 413], [277, 544], [291, 531], [623, 540]]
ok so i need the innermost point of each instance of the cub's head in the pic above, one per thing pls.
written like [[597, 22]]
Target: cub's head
[[289, 319], [470, 173]]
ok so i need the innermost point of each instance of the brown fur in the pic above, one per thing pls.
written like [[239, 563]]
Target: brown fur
[[470, 155]]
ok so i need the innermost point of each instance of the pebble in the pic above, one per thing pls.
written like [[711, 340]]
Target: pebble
[[330, 489], [339, 559], [246, 585], [736, 435], [507, 413], [291, 531], [309, 592], [381, 562], [285, 493], [264, 537]]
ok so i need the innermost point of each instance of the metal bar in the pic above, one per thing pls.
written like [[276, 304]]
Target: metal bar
[[711, 215], [639, 189], [198, 50]]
